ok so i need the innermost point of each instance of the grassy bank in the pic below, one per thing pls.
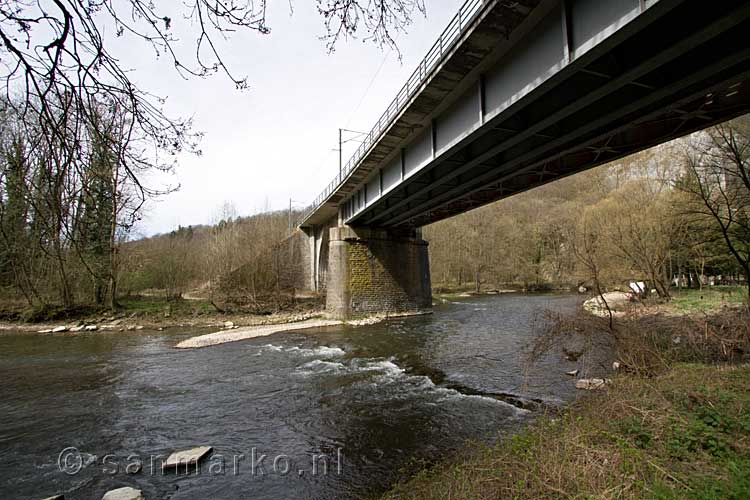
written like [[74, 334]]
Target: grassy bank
[[682, 434], [690, 300], [673, 424]]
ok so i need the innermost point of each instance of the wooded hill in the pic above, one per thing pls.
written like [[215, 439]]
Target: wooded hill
[[680, 209]]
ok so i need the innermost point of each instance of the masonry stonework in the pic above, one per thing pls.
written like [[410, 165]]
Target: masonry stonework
[[377, 271]]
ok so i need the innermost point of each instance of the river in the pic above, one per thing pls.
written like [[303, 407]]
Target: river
[[333, 413]]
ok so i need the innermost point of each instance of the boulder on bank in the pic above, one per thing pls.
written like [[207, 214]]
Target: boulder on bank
[[126, 493], [615, 300], [590, 384]]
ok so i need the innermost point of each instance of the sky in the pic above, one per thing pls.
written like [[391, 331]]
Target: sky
[[276, 140]]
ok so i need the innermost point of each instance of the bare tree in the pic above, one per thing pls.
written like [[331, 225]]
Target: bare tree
[[56, 63], [379, 18], [586, 243], [641, 229], [718, 178], [223, 250], [71, 99]]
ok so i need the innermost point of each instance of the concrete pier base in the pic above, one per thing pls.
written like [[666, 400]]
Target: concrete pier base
[[376, 271]]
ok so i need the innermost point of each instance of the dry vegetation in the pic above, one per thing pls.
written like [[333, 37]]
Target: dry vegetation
[[648, 341], [684, 434], [81, 143], [680, 209], [673, 425], [233, 263]]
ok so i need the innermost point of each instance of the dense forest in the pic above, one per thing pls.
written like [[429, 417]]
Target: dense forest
[[675, 215]]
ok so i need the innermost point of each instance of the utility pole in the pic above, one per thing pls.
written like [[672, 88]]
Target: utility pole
[[342, 142], [341, 164]]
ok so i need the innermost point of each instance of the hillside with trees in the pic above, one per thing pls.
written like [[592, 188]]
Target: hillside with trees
[[81, 141], [679, 210]]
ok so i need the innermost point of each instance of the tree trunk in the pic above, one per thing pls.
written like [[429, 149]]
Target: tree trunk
[[112, 295]]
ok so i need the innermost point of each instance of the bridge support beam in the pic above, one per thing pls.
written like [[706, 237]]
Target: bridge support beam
[[377, 271]]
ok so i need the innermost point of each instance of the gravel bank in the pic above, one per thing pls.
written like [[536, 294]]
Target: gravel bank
[[250, 332]]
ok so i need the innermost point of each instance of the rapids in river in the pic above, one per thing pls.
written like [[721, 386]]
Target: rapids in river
[[341, 412]]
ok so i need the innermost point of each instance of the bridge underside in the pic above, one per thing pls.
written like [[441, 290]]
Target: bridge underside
[[526, 98], [652, 81]]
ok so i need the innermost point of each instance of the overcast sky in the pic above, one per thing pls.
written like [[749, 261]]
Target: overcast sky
[[275, 141]]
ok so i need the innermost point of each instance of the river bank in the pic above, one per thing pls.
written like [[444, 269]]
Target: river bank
[[229, 327], [683, 434], [151, 313], [671, 424]]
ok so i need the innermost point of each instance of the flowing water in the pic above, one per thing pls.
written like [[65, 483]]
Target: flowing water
[[332, 413]]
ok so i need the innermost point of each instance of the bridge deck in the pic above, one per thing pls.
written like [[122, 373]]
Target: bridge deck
[[533, 91]]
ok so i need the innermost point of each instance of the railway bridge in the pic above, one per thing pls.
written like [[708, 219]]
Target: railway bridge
[[515, 94]]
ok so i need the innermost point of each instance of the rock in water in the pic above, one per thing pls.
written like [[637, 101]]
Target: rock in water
[[126, 493], [187, 457], [228, 324], [59, 329], [572, 373], [55, 497]]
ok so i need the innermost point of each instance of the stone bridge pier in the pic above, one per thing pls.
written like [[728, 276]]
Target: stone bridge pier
[[376, 271]]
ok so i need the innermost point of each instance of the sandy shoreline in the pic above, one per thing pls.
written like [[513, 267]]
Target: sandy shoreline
[[231, 332], [249, 332]]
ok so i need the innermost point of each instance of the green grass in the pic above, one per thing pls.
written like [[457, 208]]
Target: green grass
[[710, 298], [684, 434]]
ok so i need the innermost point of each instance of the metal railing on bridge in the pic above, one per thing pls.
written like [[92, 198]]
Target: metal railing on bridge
[[435, 55]]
